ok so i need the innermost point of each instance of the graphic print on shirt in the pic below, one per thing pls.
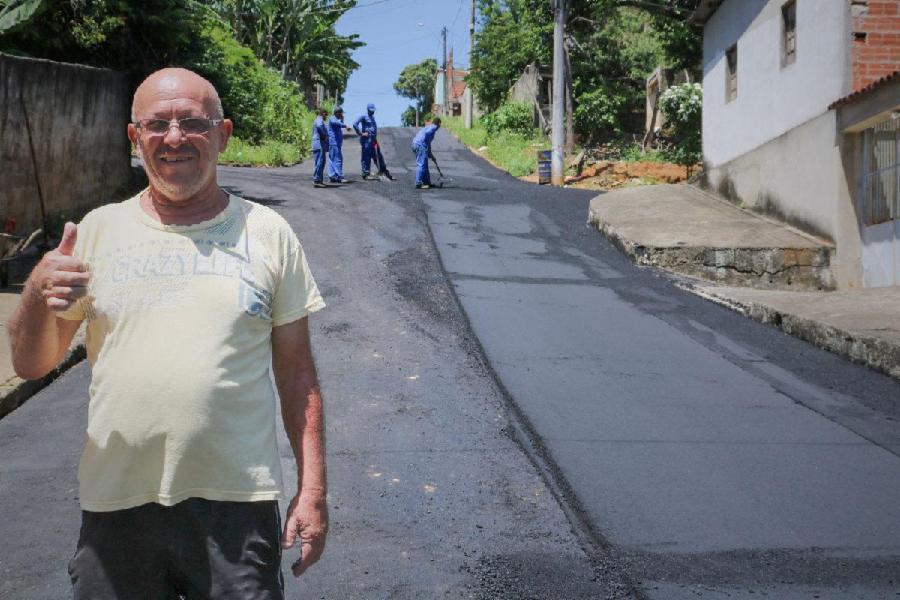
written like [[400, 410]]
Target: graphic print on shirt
[[157, 274]]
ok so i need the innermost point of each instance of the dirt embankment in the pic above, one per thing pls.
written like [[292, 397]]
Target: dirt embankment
[[608, 175]]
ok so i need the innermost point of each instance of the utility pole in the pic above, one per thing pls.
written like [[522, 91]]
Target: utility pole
[[557, 122], [444, 101], [470, 103]]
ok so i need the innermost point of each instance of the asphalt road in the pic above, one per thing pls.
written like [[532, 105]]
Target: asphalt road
[[430, 494], [719, 457], [515, 411]]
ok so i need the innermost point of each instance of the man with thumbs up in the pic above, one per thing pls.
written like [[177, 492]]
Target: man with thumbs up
[[189, 295]]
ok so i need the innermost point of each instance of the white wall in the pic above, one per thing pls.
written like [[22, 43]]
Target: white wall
[[803, 177], [771, 99]]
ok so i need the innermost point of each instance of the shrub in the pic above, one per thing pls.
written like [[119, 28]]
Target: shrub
[[600, 114], [513, 117], [267, 154], [262, 105], [683, 107]]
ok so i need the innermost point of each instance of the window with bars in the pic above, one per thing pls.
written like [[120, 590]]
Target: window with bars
[[788, 33], [881, 173], [731, 65]]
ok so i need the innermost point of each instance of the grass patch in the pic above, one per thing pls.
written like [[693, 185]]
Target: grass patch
[[631, 152], [268, 154], [513, 152]]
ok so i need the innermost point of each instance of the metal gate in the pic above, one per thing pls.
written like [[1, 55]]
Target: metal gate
[[880, 205]]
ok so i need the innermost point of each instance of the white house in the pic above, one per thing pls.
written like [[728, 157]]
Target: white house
[[799, 121]]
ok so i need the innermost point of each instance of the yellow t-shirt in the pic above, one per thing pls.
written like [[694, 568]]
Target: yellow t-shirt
[[179, 324]]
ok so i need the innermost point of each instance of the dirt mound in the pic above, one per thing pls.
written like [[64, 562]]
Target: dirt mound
[[606, 175]]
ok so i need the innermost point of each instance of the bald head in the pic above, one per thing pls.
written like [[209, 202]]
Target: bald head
[[172, 83]]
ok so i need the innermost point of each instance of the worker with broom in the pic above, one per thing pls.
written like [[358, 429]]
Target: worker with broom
[[421, 147]]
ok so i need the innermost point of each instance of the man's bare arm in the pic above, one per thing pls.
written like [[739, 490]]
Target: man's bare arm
[[38, 338], [304, 422]]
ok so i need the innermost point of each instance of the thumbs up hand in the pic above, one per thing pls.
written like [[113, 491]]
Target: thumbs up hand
[[60, 277], [67, 243]]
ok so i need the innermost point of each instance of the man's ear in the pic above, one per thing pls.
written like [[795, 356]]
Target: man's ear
[[133, 137], [225, 128]]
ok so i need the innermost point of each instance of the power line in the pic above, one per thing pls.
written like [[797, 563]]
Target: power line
[[458, 10]]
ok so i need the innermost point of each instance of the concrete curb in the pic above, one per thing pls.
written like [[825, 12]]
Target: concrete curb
[[16, 391], [878, 354]]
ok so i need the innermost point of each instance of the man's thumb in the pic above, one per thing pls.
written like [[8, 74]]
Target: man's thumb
[[67, 243], [289, 535]]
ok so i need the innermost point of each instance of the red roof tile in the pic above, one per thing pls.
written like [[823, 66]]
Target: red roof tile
[[865, 90]]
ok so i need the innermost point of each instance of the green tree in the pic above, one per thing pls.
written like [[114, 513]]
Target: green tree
[[613, 45], [140, 37], [511, 35], [416, 82], [16, 13], [131, 36], [409, 115], [295, 37]]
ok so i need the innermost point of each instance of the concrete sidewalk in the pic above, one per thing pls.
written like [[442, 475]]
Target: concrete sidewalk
[[682, 228], [754, 265], [863, 325], [13, 389]]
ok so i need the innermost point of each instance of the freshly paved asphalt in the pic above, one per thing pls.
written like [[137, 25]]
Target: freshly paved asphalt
[[620, 431], [718, 456]]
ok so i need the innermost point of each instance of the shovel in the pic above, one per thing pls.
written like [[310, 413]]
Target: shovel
[[441, 179]]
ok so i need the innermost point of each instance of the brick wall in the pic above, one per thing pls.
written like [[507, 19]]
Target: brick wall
[[876, 40]]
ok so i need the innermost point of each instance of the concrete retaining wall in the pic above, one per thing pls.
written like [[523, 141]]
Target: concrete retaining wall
[[802, 178], [77, 116]]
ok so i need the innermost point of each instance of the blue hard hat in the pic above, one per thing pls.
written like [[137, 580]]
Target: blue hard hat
[[370, 107]]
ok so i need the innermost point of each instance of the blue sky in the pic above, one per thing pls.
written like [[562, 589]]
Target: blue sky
[[393, 40]]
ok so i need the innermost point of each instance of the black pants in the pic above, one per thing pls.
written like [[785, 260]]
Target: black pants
[[197, 549]]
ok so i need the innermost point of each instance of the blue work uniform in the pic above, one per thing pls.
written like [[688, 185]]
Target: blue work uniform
[[366, 124], [319, 148], [421, 147], [335, 149]]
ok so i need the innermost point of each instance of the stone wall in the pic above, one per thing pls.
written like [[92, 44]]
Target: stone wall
[[77, 116]]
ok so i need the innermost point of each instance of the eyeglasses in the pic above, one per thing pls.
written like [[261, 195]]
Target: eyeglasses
[[188, 126]]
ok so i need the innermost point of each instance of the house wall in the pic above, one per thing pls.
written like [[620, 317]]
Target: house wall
[[439, 83], [876, 40], [476, 110], [527, 88], [771, 99], [77, 116], [803, 177]]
